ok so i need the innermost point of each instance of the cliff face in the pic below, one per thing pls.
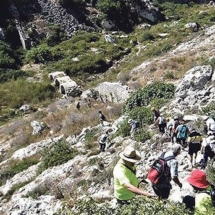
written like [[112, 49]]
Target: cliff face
[[34, 20]]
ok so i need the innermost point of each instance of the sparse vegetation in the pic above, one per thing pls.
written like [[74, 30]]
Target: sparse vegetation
[[59, 154], [16, 167], [144, 96]]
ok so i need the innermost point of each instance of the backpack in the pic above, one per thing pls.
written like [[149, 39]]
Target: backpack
[[159, 170], [102, 117], [182, 132], [137, 124]]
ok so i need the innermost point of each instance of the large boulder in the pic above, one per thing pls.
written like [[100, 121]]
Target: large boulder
[[194, 80]]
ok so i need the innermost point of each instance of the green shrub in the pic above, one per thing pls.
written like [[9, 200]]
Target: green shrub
[[59, 154], [40, 54], [141, 114], [144, 96], [147, 37], [7, 56], [139, 205], [15, 168], [120, 11], [8, 74], [124, 130], [57, 35], [142, 136], [209, 109], [90, 138], [158, 103]]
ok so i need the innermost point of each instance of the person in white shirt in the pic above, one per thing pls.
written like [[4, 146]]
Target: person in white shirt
[[207, 149], [161, 122], [210, 124]]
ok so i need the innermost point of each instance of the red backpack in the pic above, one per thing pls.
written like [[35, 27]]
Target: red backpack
[[159, 169]]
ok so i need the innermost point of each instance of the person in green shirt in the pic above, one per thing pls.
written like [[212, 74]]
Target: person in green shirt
[[125, 180], [200, 184]]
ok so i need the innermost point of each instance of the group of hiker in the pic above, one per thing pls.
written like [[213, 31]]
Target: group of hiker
[[126, 181]]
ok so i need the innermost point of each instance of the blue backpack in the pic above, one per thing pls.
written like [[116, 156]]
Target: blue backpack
[[182, 132]]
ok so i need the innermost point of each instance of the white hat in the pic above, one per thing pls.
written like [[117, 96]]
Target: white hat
[[130, 154], [175, 117], [130, 121]]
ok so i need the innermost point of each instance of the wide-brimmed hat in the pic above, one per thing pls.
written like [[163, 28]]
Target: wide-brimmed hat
[[176, 117], [198, 179], [130, 154]]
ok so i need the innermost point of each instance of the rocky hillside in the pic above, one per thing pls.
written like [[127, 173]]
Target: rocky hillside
[[49, 153]]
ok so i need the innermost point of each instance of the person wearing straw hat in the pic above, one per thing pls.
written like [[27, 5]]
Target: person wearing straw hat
[[125, 180], [156, 113], [198, 181]]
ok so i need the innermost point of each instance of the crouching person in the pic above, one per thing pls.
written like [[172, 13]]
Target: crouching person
[[125, 180]]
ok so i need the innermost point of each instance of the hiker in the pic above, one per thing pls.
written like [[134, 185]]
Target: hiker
[[162, 189], [78, 105], [134, 127], [161, 122], [125, 180], [176, 123], [198, 181], [182, 132], [207, 149], [194, 142], [209, 124], [169, 126], [102, 118], [104, 138], [156, 113]]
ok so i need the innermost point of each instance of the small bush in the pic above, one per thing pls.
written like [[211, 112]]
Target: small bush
[[209, 109], [90, 138], [40, 54], [147, 37], [142, 136], [15, 168], [142, 114], [169, 75], [144, 96], [59, 154], [9, 74]]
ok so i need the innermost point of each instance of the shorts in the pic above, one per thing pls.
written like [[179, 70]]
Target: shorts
[[194, 148], [162, 193]]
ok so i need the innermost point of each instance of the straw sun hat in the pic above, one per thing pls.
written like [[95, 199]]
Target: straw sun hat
[[130, 154]]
